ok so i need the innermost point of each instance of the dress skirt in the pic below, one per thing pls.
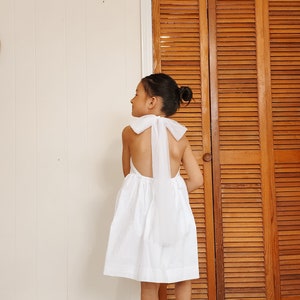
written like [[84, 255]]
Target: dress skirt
[[133, 253]]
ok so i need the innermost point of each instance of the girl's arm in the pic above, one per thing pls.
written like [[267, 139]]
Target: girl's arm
[[125, 151], [195, 177]]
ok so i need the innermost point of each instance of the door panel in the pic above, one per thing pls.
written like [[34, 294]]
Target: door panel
[[237, 126], [181, 50], [284, 24]]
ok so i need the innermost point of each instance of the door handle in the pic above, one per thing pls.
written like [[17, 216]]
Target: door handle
[[207, 157]]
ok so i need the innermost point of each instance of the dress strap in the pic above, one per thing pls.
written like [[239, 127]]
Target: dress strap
[[164, 227]]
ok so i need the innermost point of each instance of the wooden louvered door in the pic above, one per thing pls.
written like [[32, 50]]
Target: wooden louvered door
[[242, 151], [255, 65], [284, 24], [242, 59], [181, 50]]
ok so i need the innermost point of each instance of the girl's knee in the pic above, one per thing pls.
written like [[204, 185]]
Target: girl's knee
[[186, 283], [183, 290], [149, 291], [153, 286]]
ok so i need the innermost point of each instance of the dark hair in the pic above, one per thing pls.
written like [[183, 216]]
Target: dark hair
[[164, 86]]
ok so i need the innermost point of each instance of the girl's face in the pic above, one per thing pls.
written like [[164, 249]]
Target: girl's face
[[140, 102]]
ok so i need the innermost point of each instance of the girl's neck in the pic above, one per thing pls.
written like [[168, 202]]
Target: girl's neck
[[161, 114]]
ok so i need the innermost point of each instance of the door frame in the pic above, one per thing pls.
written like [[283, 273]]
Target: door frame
[[146, 37]]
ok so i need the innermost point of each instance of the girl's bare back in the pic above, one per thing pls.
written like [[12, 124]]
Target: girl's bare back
[[139, 147]]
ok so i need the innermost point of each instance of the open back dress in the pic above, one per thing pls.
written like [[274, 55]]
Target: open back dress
[[153, 233]]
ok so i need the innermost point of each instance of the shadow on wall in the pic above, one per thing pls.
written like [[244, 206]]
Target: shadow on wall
[[110, 179]]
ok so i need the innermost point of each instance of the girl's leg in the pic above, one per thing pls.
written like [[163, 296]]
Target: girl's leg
[[149, 291], [183, 290]]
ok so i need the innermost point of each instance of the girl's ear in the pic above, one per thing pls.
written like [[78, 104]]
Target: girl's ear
[[152, 102]]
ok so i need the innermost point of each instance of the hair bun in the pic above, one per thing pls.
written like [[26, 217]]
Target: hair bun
[[185, 93]]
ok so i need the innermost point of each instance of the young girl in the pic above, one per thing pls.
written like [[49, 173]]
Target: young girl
[[153, 233]]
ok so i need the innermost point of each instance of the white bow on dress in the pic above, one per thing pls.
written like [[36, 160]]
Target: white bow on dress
[[162, 224]]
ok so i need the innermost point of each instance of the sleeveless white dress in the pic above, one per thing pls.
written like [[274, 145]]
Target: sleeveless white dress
[[153, 234]]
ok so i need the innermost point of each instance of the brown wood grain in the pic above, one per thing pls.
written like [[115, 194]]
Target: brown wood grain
[[242, 59]]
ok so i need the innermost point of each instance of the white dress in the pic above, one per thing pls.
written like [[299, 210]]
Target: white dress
[[153, 233]]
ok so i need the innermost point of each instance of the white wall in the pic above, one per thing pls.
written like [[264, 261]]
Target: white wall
[[68, 69]]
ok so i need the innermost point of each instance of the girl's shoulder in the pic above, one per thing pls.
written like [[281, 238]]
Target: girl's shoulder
[[127, 133], [126, 129]]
